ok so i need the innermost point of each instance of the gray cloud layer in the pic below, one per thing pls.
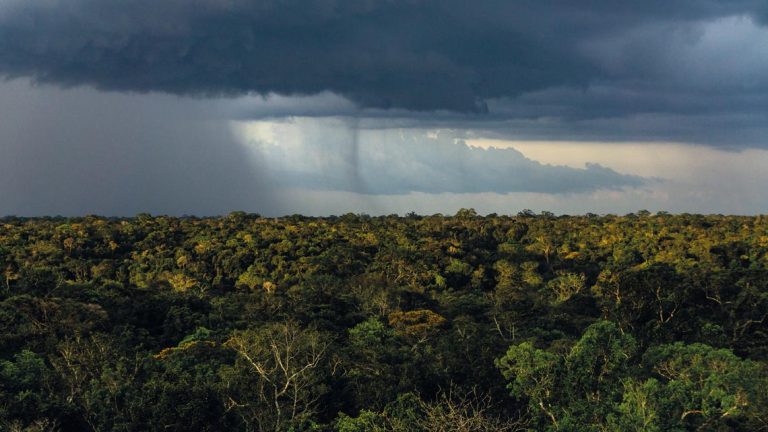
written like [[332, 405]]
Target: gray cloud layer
[[80, 151], [402, 161], [75, 152], [604, 70], [653, 56]]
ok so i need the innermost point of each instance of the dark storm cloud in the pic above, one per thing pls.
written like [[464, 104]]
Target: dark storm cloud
[[76, 152], [412, 54], [80, 151]]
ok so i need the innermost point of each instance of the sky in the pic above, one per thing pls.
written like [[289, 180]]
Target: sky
[[319, 107]]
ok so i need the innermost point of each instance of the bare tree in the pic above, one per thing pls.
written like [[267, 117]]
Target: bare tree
[[285, 361], [465, 412]]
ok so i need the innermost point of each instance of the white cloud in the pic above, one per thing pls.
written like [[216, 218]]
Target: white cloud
[[81, 151], [684, 178], [335, 154]]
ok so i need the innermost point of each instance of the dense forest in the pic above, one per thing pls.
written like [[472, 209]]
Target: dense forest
[[643, 322]]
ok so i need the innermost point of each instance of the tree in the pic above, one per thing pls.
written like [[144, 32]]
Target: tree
[[576, 390], [450, 412], [533, 374], [639, 409], [706, 388], [374, 357], [284, 368], [100, 381], [26, 393]]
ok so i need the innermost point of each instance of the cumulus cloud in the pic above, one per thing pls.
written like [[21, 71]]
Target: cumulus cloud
[[80, 151], [310, 154]]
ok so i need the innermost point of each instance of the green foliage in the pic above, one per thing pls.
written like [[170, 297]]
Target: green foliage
[[639, 409], [24, 389], [566, 286], [705, 387], [367, 421], [574, 388], [244, 323], [533, 373], [284, 367]]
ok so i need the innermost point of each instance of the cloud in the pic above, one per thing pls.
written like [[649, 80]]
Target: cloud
[[689, 71], [312, 154], [75, 152], [696, 179], [420, 55], [80, 151]]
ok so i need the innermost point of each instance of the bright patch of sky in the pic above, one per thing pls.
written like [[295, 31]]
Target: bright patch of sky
[[677, 177], [80, 151]]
